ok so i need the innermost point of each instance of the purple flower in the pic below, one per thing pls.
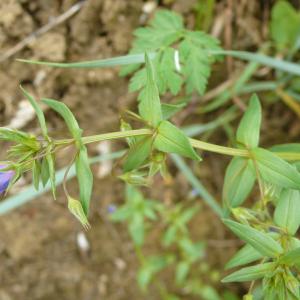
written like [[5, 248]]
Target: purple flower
[[5, 178], [111, 208]]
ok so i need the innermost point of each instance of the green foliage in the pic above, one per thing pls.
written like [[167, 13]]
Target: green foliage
[[177, 58], [275, 170], [136, 212], [250, 273], [287, 211], [171, 139], [238, 183], [260, 241], [84, 173], [51, 171], [38, 111], [85, 178], [189, 64], [249, 128], [285, 23], [67, 115], [149, 106], [138, 153], [245, 255]]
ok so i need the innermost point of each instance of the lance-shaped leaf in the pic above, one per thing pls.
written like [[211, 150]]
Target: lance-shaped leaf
[[169, 110], [291, 258], [238, 183], [250, 273], [138, 153], [51, 170], [85, 178], [149, 106], [275, 170], [170, 139], [245, 255], [260, 241], [249, 128], [44, 171], [69, 118], [38, 111], [36, 174], [287, 211]]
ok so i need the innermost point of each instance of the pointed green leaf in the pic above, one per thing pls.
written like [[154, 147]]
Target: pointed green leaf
[[275, 170], [245, 255], [138, 153], [45, 171], [285, 24], [291, 258], [85, 178], [38, 112], [149, 107], [250, 273], [287, 211], [36, 173], [169, 110], [238, 182], [260, 241], [170, 139], [249, 128], [51, 170], [68, 116]]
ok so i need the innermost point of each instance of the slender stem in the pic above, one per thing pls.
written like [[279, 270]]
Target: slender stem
[[116, 135], [195, 143], [218, 149]]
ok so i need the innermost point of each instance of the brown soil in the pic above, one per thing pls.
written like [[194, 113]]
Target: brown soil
[[39, 256]]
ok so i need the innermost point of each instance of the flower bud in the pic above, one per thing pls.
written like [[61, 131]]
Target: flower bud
[[76, 209]]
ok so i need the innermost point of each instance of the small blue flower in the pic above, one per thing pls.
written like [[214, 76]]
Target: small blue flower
[[5, 178], [111, 208]]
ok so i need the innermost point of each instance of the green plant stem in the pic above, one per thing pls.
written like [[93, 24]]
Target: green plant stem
[[291, 156]]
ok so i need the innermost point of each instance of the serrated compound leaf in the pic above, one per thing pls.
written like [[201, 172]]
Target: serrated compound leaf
[[76, 209], [247, 254], [85, 178], [38, 111], [196, 60], [138, 153], [164, 29], [275, 170], [138, 80], [287, 210], [171, 139], [238, 182], [260, 241], [149, 106], [249, 128], [168, 72], [250, 273], [291, 258], [68, 116]]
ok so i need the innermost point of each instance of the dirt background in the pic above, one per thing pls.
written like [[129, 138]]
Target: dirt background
[[39, 254]]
